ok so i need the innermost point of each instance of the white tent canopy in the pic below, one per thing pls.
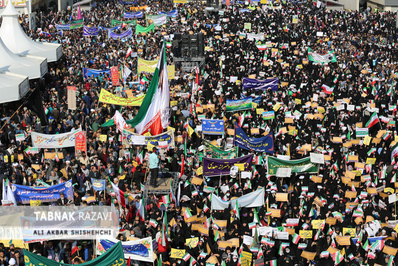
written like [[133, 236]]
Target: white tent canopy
[[84, 2], [19, 43], [32, 66], [12, 87]]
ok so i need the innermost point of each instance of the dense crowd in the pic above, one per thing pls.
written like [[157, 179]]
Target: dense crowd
[[364, 76]]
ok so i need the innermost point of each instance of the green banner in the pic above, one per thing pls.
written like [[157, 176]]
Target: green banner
[[116, 22], [298, 166], [141, 29], [113, 256], [218, 153], [74, 22]]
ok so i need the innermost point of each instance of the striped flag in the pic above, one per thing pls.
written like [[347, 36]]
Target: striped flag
[[374, 119], [187, 214], [296, 238], [186, 257], [153, 223]]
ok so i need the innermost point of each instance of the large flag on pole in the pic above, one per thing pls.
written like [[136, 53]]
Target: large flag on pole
[[154, 112]]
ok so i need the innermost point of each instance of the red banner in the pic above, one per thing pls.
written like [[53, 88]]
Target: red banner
[[80, 143], [115, 76]]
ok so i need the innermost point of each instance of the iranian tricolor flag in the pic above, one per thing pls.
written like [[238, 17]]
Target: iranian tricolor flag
[[141, 209], [394, 151], [337, 257], [129, 52], [119, 121], [374, 119], [195, 85], [326, 89], [119, 193], [154, 111]]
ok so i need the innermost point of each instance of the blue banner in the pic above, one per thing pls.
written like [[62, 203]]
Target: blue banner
[[112, 29], [212, 126], [137, 249], [272, 84], [257, 100], [62, 26], [128, 3], [167, 137], [263, 144], [98, 184], [89, 72], [138, 14], [172, 13], [87, 31], [49, 194], [127, 34]]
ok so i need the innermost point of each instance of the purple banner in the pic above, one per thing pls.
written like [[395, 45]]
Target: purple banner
[[216, 167], [126, 34], [256, 84], [87, 31]]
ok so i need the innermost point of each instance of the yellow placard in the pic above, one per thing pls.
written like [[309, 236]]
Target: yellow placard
[[281, 197], [297, 101], [390, 250], [150, 147], [103, 138], [276, 107], [343, 240], [173, 103], [241, 166], [308, 255], [35, 202], [316, 224], [192, 242], [200, 171], [260, 111], [351, 231], [370, 160], [367, 140], [107, 97], [306, 234], [212, 260], [148, 66], [246, 258], [177, 253]]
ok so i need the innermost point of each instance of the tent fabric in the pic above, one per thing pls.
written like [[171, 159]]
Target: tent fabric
[[32, 66], [12, 87], [19, 43], [82, 3]]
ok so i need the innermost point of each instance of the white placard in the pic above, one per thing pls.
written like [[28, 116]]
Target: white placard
[[267, 231], [233, 79], [283, 157], [392, 198], [315, 97], [248, 240], [282, 235], [201, 147], [199, 128], [245, 175], [224, 189], [350, 107], [340, 107], [319, 34], [317, 158], [284, 172], [137, 140]]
